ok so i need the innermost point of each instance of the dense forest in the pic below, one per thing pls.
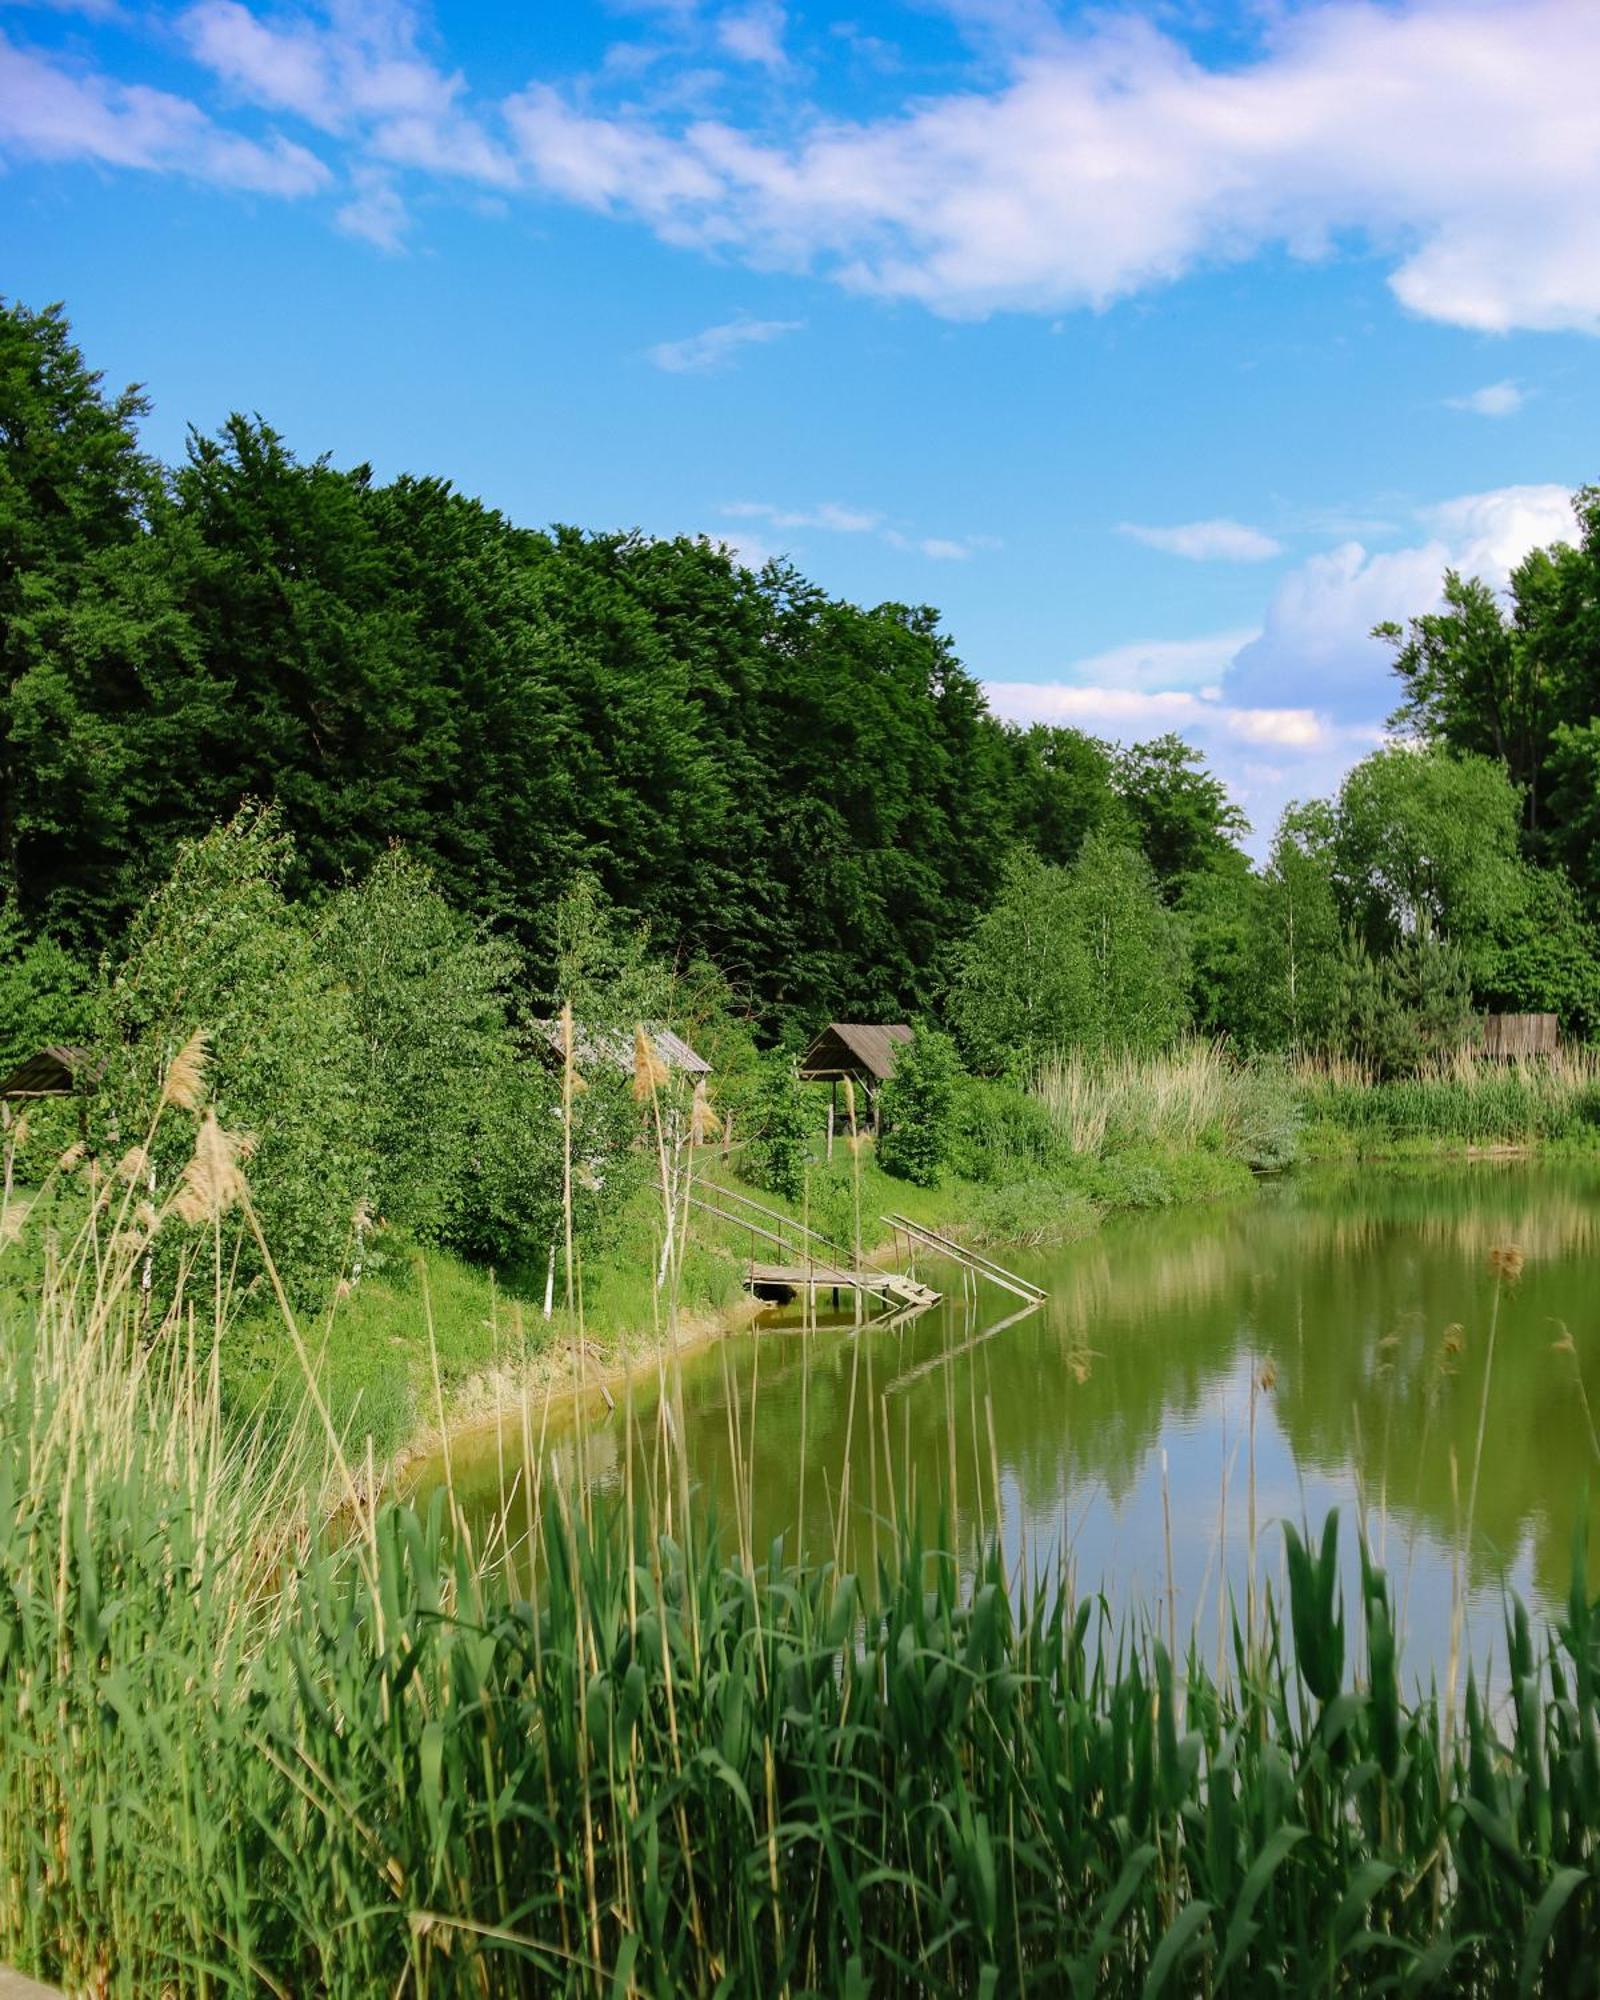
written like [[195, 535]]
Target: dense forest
[[810, 796]]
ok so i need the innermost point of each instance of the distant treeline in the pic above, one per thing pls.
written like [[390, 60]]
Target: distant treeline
[[810, 795]]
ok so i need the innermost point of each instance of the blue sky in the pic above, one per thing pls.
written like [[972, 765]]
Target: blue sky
[[1164, 347]]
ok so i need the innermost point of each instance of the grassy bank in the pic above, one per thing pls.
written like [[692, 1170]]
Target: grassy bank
[[236, 1759]]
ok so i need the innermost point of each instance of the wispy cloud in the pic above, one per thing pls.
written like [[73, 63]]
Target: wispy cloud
[[1208, 541], [1496, 399], [754, 34], [715, 347], [54, 113], [375, 212], [1079, 165], [360, 74], [833, 518], [836, 519]]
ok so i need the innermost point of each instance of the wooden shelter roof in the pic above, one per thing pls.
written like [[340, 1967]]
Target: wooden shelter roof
[[612, 1048], [56, 1071], [865, 1049], [1515, 1035]]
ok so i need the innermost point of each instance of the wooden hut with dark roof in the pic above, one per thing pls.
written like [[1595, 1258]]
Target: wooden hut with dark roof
[[56, 1071], [863, 1051]]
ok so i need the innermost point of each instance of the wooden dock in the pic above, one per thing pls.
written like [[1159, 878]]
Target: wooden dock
[[893, 1287], [806, 1262]]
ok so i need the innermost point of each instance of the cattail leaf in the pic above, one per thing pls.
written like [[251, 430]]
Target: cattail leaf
[[1179, 1940], [1241, 1930], [1564, 1885]]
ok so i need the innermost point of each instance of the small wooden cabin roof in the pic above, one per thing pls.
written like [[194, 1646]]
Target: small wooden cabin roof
[[56, 1071], [864, 1049], [612, 1048]]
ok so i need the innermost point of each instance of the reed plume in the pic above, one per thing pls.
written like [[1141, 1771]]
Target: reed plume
[[185, 1085]]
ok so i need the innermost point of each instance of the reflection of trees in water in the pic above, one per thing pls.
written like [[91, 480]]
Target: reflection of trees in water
[[1350, 1291]]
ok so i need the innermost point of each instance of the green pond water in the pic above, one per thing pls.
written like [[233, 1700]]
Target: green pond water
[[1351, 1313]]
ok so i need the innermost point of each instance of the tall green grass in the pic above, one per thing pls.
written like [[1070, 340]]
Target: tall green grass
[[260, 1734]]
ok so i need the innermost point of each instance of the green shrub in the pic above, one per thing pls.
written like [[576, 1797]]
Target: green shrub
[[44, 992], [1001, 1132], [509, 1208], [1037, 1212]]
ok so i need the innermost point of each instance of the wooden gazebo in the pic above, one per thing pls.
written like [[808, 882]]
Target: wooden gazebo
[[863, 1051]]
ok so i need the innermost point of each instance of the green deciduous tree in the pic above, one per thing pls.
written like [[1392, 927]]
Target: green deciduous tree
[[918, 1104], [1083, 957], [1426, 838], [1298, 961], [218, 949], [1020, 980], [430, 997], [1542, 956], [778, 1147], [44, 992], [1182, 817]]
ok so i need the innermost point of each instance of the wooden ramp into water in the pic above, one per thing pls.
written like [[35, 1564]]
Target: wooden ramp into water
[[806, 1262], [971, 1261]]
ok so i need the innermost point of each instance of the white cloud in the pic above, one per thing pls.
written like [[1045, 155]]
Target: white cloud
[[1316, 635], [1456, 137], [52, 113], [1160, 664], [754, 34], [1495, 399], [375, 212], [715, 347], [359, 73], [836, 519], [1208, 541], [749, 550]]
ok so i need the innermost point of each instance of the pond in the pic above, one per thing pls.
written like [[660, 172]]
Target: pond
[[1323, 1344]]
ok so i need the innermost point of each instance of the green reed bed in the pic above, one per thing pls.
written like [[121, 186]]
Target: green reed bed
[[236, 1757]]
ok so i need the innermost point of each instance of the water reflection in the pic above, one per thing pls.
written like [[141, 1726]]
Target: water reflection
[[1324, 1344]]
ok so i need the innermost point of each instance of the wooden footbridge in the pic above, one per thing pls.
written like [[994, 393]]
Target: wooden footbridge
[[806, 1263]]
